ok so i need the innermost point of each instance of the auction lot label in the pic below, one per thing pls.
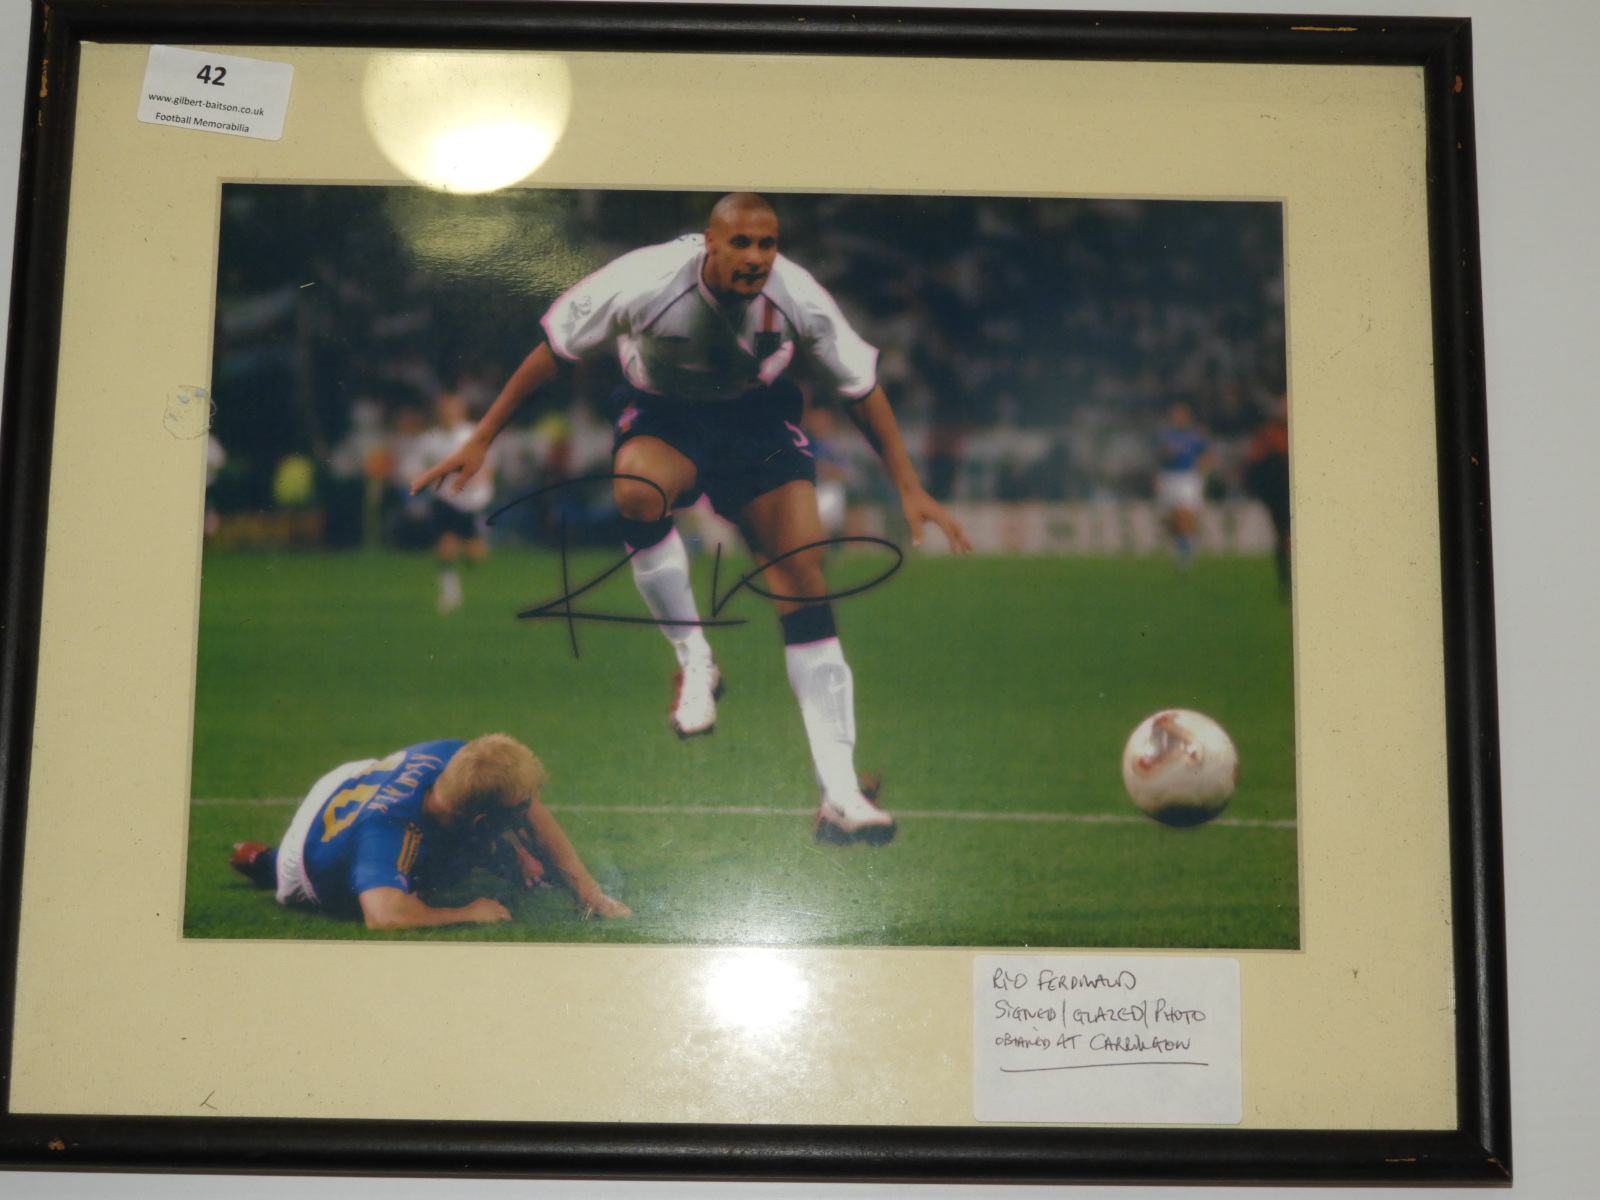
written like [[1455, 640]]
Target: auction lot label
[[215, 93], [1106, 1038]]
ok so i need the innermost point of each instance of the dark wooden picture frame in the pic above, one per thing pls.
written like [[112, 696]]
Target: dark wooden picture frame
[[1476, 1151]]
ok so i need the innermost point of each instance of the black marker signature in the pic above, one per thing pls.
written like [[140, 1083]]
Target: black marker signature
[[561, 607]]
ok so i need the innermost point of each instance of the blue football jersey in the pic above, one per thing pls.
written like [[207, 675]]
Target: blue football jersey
[[1180, 449], [372, 831]]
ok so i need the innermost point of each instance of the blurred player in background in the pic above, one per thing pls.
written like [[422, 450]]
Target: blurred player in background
[[1266, 477], [408, 522], [371, 834], [833, 468], [457, 514], [216, 459], [1183, 459], [704, 328]]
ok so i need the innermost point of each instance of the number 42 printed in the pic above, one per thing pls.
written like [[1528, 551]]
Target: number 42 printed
[[201, 91]]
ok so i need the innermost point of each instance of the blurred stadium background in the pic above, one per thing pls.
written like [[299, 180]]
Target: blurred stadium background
[[1030, 347]]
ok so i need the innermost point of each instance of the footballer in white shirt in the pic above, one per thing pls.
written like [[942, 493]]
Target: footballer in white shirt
[[456, 515], [704, 328]]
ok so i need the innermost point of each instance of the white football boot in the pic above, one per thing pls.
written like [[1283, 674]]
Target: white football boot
[[696, 687], [855, 818]]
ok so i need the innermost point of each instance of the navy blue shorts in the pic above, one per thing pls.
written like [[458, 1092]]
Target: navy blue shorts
[[740, 448], [447, 518]]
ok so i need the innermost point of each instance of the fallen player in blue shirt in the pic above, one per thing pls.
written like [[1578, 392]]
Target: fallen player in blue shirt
[[371, 833]]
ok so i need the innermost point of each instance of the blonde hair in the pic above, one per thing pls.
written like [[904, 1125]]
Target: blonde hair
[[493, 771]]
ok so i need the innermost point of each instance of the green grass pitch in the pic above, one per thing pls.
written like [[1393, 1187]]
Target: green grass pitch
[[994, 694]]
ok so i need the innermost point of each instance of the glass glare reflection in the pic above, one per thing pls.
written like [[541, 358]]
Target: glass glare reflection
[[466, 122], [756, 990]]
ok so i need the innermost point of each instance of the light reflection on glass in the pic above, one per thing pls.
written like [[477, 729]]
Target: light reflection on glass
[[756, 990], [517, 237], [466, 122]]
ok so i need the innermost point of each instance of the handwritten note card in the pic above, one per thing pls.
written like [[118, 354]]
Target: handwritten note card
[[1107, 1039]]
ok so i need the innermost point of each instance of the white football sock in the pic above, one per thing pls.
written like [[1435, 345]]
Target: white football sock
[[449, 590], [826, 690], [661, 573]]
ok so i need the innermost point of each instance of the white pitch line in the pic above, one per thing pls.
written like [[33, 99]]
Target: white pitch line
[[255, 803], [706, 810], [1091, 819]]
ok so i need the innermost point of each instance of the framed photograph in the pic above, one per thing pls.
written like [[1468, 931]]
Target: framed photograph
[[749, 593]]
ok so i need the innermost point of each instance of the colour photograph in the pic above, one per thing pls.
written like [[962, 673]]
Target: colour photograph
[[746, 569]]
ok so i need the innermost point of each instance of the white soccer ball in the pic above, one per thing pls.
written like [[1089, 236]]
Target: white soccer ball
[[1180, 767]]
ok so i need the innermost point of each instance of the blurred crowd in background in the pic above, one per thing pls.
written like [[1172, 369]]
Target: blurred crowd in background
[[1031, 347]]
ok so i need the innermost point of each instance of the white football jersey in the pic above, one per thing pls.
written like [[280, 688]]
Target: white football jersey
[[433, 447], [674, 338]]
